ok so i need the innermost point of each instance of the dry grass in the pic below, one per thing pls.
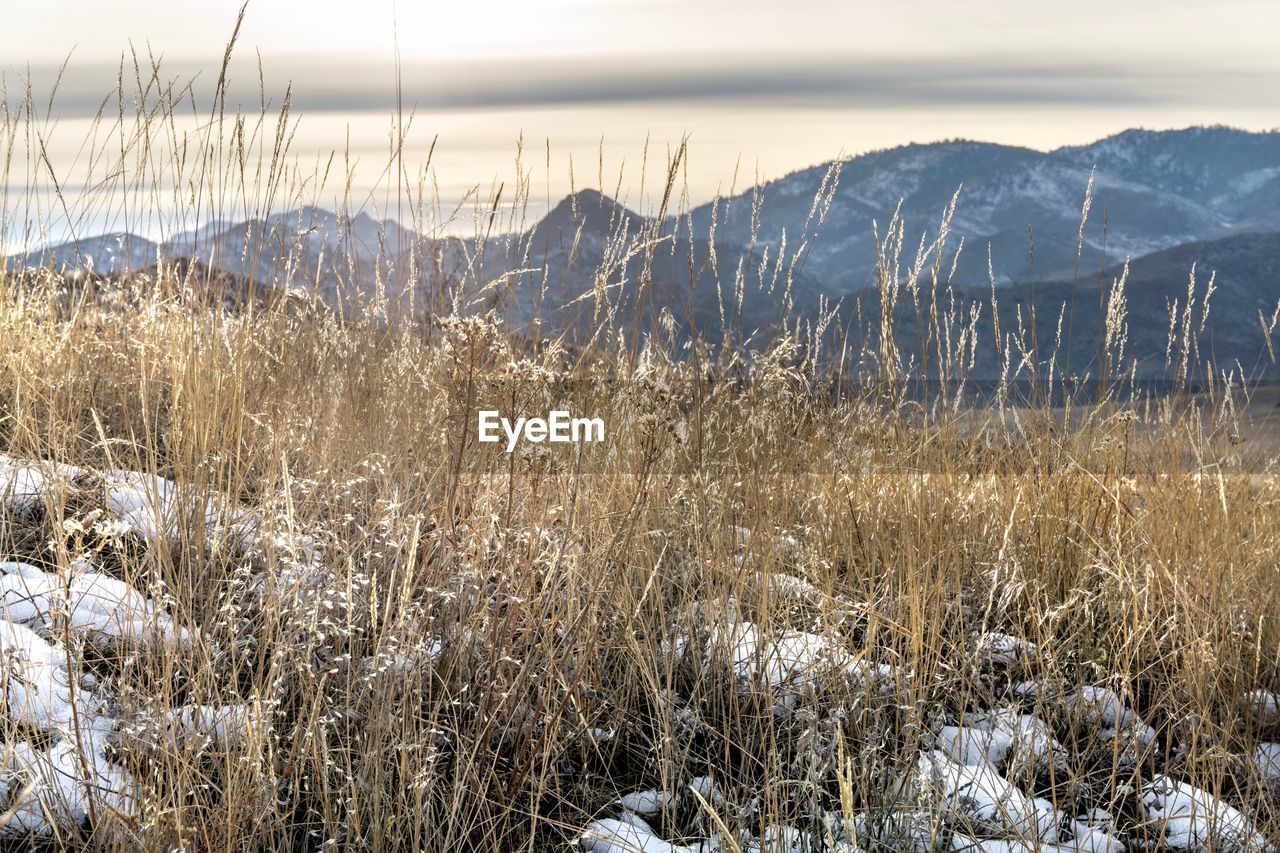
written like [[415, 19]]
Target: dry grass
[[483, 656]]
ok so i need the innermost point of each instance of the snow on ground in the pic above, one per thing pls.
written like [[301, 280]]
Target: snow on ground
[[1263, 706], [1091, 839], [98, 606], [1188, 818], [996, 649], [62, 771], [976, 796], [1103, 708], [961, 843], [158, 510], [650, 802], [1266, 761], [152, 507], [1006, 739], [787, 839], [901, 829], [706, 788], [194, 726], [610, 835], [978, 776], [787, 663], [631, 833], [976, 789], [25, 484], [55, 789], [977, 793], [39, 686]]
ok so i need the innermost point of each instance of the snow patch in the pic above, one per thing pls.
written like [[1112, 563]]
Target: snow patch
[[610, 835], [1189, 818], [1005, 739], [98, 606], [649, 802], [979, 793], [1263, 706], [1103, 708]]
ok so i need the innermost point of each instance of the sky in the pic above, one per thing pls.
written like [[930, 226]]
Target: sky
[[759, 87]]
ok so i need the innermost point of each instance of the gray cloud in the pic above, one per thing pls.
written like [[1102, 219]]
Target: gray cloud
[[773, 81]]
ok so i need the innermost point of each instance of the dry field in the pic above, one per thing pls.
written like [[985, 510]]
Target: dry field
[[348, 623], [263, 589]]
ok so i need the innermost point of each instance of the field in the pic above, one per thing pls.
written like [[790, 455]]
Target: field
[[772, 611]]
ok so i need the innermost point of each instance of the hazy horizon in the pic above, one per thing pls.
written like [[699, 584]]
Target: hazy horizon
[[759, 90]]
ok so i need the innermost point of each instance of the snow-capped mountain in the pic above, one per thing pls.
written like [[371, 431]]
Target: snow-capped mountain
[[107, 254], [1152, 189], [339, 257], [1152, 193], [1207, 165]]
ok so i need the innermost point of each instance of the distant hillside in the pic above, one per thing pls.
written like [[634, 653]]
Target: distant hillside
[[181, 280], [1246, 272]]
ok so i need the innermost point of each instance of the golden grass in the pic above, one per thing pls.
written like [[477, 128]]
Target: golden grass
[[1136, 545], [554, 579]]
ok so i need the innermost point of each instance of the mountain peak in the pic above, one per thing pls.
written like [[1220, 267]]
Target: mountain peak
[[589, 209]]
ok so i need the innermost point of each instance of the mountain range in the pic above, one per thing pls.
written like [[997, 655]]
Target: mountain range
[[1165, 199], [1158, 188]]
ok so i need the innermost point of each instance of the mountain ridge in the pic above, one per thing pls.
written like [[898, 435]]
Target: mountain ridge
[[1021, 204]]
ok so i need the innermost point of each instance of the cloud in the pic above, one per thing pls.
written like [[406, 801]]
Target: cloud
[[774, 81]]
